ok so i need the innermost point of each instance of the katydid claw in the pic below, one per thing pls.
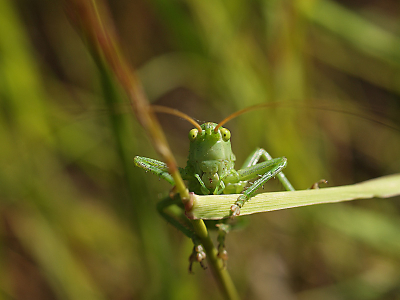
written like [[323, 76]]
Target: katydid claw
[[223, 254], [316, 184], [198, 255], [235, 209]]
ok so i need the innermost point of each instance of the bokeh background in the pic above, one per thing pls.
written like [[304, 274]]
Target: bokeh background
[[78, 220]]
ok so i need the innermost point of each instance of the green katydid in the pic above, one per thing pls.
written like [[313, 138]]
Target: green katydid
[[210, 170]]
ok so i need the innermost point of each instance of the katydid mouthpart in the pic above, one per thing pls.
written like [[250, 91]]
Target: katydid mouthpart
[[210, 169]]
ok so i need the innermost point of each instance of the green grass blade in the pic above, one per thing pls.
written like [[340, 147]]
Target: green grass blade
[[214, 207]]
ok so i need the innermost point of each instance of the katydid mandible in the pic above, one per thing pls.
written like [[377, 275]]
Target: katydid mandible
[[210, 169]]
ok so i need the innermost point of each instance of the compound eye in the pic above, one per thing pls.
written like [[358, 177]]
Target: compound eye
[[193, 134], [226, 134]]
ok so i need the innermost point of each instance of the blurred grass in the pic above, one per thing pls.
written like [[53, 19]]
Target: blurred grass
[[79, 222]]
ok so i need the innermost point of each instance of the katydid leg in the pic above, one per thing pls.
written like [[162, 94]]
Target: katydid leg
[[158, 167], [317, 184], [169, 209], [266, 170], [223, 229], [254, 158], [155, 166]]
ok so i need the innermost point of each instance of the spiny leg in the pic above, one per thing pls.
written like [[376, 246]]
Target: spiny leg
[[159, 168], [155, 166], [169, 209], [254, 158], [198, 255], [223, 229], [267, 170]]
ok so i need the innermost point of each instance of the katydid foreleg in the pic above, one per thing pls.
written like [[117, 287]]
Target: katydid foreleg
[[254, 158], [266, 170], [155, 166], [261, 153]]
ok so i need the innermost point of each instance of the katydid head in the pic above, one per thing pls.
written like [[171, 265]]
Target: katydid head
[[208, 132], [209, 144], [206, 142]]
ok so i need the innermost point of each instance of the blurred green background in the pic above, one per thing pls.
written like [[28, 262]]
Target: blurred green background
[[78, 220]]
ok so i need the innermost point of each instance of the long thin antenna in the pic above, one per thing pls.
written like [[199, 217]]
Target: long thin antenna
[[305, 106], [175, 112], [244, 110]]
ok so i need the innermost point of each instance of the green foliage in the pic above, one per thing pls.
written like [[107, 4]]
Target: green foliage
[[79, 220]]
